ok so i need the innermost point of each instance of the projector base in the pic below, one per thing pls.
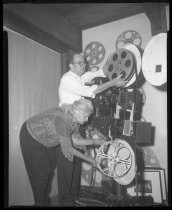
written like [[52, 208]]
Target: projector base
[[98, 196]]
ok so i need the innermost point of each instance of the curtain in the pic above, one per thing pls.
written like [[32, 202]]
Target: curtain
[[5, 114], [33, 80]]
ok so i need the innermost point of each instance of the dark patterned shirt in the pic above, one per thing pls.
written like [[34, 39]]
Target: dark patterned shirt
[[53, 127]]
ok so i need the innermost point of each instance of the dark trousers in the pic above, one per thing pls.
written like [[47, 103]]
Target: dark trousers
[[40, 163], [68, 176]]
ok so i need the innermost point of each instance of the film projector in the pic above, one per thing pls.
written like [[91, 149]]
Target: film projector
[[118, 110]]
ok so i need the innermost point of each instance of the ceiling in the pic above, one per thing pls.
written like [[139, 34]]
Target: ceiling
[[87, 15], [47, 22]]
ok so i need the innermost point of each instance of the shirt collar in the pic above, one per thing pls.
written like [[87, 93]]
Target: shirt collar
[[75, 75]]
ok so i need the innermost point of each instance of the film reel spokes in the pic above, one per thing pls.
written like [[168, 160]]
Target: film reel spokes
[[128, 37], [114, 159], [94, 53]]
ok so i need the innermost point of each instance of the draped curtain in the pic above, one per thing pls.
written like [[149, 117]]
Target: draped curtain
[[34, 72]]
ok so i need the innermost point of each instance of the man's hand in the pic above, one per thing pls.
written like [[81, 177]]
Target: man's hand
[[93, 68], [117, 82], [93, 162]]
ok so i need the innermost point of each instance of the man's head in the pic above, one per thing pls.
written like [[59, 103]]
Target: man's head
[[79, 111], [76, 63], [82, 109]]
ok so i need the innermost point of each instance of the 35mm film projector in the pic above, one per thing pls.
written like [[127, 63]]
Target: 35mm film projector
[[116, 158]]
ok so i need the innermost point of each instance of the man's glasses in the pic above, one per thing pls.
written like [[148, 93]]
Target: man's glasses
[[80, 63]]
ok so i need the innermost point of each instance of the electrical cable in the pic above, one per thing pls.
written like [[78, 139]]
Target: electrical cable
[[92, 181], [93, 173], [135, 99]]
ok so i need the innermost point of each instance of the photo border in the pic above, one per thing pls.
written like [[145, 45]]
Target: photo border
[[156, 182], [163, 180]]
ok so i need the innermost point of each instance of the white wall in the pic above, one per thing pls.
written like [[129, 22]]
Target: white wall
[[155, 108], [108, 33], [34, 75]]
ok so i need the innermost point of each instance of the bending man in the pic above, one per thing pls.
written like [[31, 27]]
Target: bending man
[[49, 139]]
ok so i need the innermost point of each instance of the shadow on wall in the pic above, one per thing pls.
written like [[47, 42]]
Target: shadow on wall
[[152, 135], [149, 157], [162, 87], [149, 138]]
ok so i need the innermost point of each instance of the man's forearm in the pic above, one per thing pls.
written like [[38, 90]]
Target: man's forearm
[[81, 141], [103, 87], [88, 76], [80, 155]]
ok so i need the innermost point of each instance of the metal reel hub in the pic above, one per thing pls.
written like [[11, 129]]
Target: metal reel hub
[[115, 159], [121, 63]]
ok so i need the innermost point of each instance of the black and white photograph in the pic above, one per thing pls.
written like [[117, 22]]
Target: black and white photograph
[[144, 187], [163, 180], [149, 185], [85, 103]]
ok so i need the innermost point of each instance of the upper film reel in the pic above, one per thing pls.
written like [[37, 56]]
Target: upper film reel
[[122, 62], [126, 61], [116, 159], [94, 53], [128, 37]]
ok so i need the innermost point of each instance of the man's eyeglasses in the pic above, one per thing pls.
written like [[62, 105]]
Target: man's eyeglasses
[[80, 63]]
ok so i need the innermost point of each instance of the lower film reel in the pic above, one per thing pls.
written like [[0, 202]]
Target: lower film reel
[[116, 159], [122, 62]]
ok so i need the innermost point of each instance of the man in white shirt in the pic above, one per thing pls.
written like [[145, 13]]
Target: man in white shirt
[[72, 86]]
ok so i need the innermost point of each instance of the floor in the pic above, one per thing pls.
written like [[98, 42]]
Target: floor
[[54, 201]]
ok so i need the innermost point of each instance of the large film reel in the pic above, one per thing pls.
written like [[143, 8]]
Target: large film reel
[[128, 37], [116, 159], [94, 53], [154, 62], [121, 62]]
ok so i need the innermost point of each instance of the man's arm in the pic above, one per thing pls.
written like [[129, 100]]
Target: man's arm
[[82, 156], [78, 140], [115, 82], [88, 76]]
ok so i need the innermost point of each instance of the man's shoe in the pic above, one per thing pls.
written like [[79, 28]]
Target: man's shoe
[[79, 203], [67, 204]]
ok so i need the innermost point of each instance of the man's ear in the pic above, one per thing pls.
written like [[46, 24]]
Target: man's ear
[[70, 65]]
